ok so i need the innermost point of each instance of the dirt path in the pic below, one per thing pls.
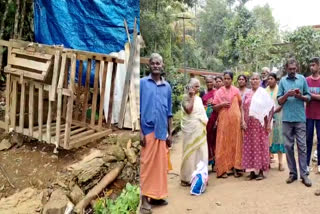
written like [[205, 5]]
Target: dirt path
[[238, 196]]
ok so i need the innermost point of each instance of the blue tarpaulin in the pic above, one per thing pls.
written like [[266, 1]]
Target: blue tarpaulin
[[88, 25]]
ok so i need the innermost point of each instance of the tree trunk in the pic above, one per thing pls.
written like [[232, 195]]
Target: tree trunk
[[23, 14], [16, 20], [4, 17]]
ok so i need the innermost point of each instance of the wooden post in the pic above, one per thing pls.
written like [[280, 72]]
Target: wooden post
[[49, 122], [95, 92], [22, 105], [31, 104], [40, 112], [102, 94], [113, 78], [14, 104], [86, 92], [59, 98], [8, 102], [53, 88], [68, 122], [78, 92]]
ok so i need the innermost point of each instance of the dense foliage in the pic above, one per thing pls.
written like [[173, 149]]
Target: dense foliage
[[219, 35], [126, 203]]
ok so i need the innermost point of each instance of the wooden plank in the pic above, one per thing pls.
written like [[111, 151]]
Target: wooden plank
[[58, 125], [73, 74], [95, 93], [22, 105], [78, 91], [53, 87], [85, 55], [40, 112], [65, 85], [20, 72], [31, 106], [77, 142], [114, 73], [82, 134], [27, 63], [33, 54], [49, 118], [8, 102], [68, 122], [86, 92], [102, 94], [14, 105], [4, 43], [74, 132], [125, 94]]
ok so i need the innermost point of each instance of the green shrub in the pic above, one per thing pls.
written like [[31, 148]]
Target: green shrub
[[126, 203]]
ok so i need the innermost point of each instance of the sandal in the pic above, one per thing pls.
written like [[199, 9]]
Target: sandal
[[260, 176], [236, 173], [160, 202], [184, 184], [144, 210], [252, 176], [224, 175]]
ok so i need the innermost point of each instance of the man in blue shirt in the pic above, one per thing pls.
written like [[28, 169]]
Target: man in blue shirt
[[293, 92], [155, 135]]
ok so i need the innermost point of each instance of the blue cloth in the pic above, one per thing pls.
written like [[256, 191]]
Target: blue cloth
[[86, 25], [293, 108], [155, 107]]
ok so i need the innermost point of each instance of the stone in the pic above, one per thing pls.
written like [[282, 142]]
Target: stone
[[114, 150], [131, 155], [136, 144], [26, 201], [76, 194], [57, 203], [17, 139], [5, 144]]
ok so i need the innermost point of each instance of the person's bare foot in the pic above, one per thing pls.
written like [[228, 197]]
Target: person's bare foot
[[281, 168]]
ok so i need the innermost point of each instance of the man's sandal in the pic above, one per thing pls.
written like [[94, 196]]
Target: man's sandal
[[160, 202]]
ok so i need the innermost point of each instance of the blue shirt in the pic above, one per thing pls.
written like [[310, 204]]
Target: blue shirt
[[155, 107], [293, 108]]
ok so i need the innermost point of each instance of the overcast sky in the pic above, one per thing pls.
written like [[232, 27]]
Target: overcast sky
[[291, 14]]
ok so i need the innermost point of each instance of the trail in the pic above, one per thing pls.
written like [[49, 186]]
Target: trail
[[236, 195]]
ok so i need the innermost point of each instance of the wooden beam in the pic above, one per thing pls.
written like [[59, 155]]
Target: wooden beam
[[111, 97], [86, 92], [77, 142], [95, 92], [103, 89]]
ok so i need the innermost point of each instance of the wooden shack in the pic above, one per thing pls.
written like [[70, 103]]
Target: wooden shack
[[44, 100]]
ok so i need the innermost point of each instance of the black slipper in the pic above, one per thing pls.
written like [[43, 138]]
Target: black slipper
[[144, 210], [160, 202]]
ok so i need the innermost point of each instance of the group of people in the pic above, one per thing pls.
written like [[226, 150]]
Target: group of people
[[235, 130]]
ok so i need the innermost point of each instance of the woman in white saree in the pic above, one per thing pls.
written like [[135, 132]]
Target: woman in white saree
[[194, 122]]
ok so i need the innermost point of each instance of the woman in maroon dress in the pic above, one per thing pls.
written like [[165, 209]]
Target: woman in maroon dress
[[212, 116]]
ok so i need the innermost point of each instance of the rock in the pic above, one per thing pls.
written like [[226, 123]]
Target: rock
[[131, 155], [218, 203], [57, 203], [76, 194], [136, 144], [109, 158], [114, 150], [17, 139], [5, 145], [24, 202]]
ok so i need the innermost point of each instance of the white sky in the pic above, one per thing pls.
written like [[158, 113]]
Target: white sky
[[291, 14]]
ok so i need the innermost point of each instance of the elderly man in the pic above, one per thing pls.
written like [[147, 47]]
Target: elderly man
[[264, 76], [293, 93], [155, 135]]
